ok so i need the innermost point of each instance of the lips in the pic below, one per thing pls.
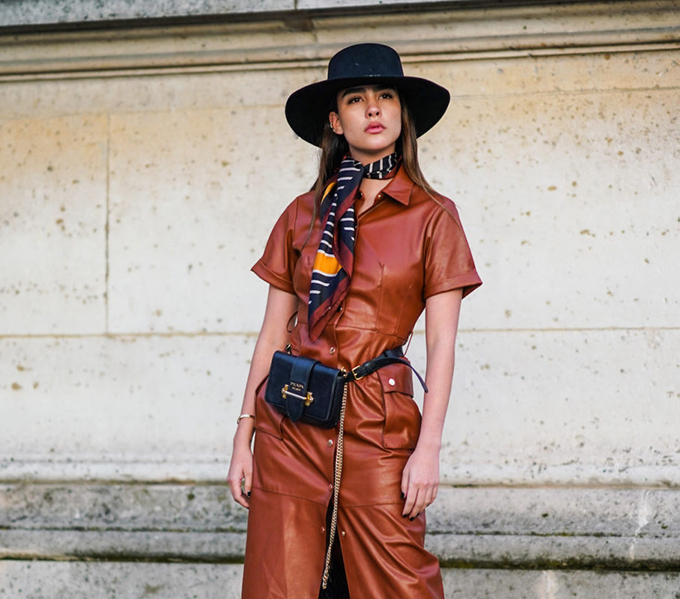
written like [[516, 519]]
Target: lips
[[374, 128]]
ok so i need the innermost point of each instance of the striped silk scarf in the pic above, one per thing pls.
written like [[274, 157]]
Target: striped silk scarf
[[334, 260]]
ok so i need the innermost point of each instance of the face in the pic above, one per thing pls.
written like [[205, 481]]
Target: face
[[370, 119]]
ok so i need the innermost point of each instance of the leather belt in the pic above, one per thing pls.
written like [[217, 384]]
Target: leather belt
[[391, 356]]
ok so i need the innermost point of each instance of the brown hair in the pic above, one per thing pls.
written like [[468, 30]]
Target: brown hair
[[334, 148]]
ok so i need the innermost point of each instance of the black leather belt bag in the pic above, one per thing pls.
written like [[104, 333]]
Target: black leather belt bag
[[306, 390]]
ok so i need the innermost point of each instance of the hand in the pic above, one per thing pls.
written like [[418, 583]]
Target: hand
[[240, 475], [420, 481]]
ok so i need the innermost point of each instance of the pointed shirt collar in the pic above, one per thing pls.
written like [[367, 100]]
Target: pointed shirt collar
[[400, 187]]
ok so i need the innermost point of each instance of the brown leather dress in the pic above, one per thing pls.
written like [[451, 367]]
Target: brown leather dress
[[408, 248]]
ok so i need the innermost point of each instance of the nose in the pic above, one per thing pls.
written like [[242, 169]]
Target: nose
[[372, 109]]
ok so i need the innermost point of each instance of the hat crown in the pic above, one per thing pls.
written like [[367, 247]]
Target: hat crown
[[365, 60]]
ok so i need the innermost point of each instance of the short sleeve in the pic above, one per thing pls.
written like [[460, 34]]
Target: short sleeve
[[448, 259], [277, 264]]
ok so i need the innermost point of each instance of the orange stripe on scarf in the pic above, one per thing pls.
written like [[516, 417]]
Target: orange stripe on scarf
[[328, 265]]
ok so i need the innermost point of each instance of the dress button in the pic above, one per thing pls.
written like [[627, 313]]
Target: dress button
[[392, 382], [323, 530], [331, 351], [343, 533], [330, 442], [339, 308], [330, 487]]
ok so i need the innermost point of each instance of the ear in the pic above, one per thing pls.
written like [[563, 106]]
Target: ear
[[334, 119]]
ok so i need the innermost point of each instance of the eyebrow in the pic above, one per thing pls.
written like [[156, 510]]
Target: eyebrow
[[362, 89]]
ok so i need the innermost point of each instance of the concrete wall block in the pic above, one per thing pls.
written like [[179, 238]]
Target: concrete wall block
[[488, 527], [134, 580], [190, 213], [573, 27], [172, 92], [120, 407], [130, 508], [588, 407], [51, 12], [550, 584], [116, 545], [53, 225], [131, 580], [604, 512], [625, 42], [560, 242], [165, 406]]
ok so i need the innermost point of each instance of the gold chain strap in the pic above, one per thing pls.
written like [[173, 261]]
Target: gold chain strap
[[337, 474]]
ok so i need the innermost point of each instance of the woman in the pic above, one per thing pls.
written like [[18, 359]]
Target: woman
[[355, 260]]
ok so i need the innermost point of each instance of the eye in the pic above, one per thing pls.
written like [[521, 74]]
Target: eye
[[388, 95], [353, 99]]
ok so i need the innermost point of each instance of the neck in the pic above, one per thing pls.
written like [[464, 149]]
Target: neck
[[369, 157]]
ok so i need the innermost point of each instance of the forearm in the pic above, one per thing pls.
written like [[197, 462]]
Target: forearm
[[440, 363], [441, 326]]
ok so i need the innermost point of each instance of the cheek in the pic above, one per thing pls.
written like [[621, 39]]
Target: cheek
[[396, 115]]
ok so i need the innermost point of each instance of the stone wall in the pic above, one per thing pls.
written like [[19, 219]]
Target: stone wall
[[142, 170]]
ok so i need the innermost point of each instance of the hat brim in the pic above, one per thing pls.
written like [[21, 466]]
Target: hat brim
[[307, 108]]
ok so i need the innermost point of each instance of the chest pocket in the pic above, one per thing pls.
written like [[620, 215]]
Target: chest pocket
[[402, 415], [363, 302]]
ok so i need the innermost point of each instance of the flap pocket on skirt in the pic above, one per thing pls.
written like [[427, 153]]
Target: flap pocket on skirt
[[402, 415], [267, 419]]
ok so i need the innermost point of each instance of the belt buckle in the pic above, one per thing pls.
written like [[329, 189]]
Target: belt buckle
[[354, 374]]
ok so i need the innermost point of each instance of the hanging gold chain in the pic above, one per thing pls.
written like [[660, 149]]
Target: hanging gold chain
[[337, 474]]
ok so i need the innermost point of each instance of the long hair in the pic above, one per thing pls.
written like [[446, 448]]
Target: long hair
[[334, 148]]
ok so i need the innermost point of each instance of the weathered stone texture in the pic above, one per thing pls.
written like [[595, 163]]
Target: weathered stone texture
[[96, 580], [52, 12], [189, 201], [125, 580], [53, 224], [121, 408], [156, 407], [488, 527]]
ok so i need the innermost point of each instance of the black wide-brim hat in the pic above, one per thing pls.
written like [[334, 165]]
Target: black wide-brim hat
[[364, 64]]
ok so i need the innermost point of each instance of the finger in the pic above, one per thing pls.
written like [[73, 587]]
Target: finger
[[423, 500], [234, 488], [422, 504], [245, 492], [427, 497], [237, 494], [410, 501], [416, 495], [404, 483], [248, 481]]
